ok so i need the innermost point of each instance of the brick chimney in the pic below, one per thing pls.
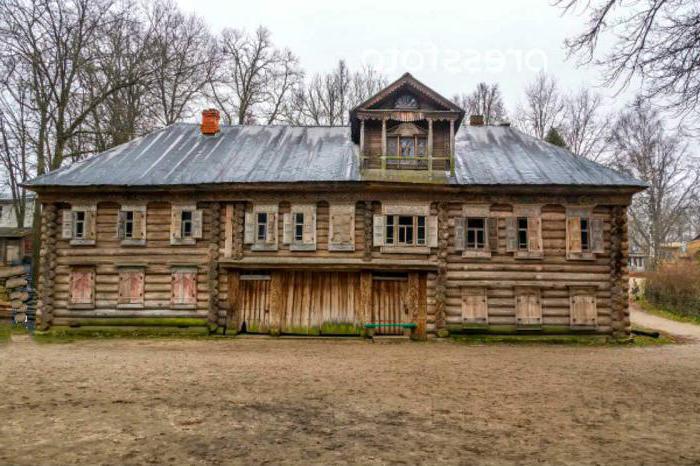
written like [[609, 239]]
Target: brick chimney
[[476, 120], [210, 121]]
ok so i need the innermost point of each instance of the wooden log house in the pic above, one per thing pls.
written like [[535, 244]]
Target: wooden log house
[[409, 221]]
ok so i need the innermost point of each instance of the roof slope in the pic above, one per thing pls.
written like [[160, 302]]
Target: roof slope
[[180, 155]]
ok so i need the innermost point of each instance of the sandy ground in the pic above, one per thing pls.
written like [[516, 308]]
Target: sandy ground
[[253, 401]]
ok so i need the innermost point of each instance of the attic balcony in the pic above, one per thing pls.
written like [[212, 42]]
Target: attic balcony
[[408, 169]]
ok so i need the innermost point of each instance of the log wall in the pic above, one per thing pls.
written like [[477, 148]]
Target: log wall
[[446, 270]]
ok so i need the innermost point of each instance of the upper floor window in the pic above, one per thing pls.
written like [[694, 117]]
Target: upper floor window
[[406, 146], [522, 234], [79, 225], [406, 101], [131, 228], [299, 226], [476, 233], [585, 235], [405, 230], [261, 226], [186, 226]]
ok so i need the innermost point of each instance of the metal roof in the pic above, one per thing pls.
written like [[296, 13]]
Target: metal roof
[[180, 155]]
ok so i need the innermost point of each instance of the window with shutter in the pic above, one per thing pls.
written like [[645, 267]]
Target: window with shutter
[[185, 225], [583, 308], [79, 224], [299, 228], [524, 232], [131, 225], [131, 287], [341, 227], [474, 306], [405, 229], [528, 307], [184, 288], [82, 287], [584, 234], [261, 227]]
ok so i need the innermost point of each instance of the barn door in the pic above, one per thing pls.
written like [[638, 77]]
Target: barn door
[[389, 304], [254, 303]]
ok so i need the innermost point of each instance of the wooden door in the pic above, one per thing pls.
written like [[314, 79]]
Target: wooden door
[[389, 305], [254, 304], [319, 302]]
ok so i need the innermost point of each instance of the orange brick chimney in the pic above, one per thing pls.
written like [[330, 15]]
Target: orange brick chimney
[[210, 121]]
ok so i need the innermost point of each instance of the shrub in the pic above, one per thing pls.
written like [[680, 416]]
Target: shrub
[[675, 286]]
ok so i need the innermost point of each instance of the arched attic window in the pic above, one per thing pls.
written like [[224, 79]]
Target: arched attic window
[[406, 101]]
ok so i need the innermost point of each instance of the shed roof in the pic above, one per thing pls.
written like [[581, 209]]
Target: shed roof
[[180, 155]]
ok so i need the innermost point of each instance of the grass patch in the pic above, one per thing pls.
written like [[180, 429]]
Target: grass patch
[[666, 314], [181, 322], [5, 332], [60, 334], [568, 340], [641, 340]]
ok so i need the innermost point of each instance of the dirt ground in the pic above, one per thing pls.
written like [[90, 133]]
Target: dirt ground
[[256, 401]]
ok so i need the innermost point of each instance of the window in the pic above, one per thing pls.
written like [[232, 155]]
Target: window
[[585, 235], [405, 230], [261, 226], [408, 148], [79, 225], [476, 233], [129, 224], [391, 146], [82, 286], [299, 226], [474, 306], [184, 287], [523, 244], [583, 308], [528, 306], [421, 147], [186, 224], [131, 284]]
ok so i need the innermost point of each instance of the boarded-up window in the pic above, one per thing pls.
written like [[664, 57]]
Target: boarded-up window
[[528, 307], [298, 228], [583, 308], [341, 227], [474, 305], [82, 286], [184, 287], [131, 285], [185, 224]]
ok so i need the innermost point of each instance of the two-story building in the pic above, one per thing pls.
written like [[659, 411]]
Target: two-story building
[[410, 219], [15, 241]]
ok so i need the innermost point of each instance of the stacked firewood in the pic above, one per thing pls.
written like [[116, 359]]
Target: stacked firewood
[[17, 293]]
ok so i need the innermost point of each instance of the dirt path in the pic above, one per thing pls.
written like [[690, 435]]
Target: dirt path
[[347, 402], [673, 327]]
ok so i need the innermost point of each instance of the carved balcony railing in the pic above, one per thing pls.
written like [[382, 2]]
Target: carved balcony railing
[[390, 162]]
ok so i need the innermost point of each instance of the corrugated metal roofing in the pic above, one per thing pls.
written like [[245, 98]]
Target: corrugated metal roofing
[[180, 155]]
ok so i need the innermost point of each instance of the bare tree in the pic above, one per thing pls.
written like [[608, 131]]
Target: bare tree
[[643, 148], [655, 40], [584, 126], [542, 108], [184, 58], [485, 100], [328, 98], [255, 76]]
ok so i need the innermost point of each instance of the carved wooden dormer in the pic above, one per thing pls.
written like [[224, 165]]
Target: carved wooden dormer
[[406, 126]]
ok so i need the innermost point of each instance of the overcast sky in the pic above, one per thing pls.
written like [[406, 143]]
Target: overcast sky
[[449, 45]]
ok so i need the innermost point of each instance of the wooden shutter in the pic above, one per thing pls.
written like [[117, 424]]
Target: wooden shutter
[[228, 230], [597, 236], [271, 228], [341, 227], [184, 287], [459, 234], [287, 228], [90, 224], [528, 308], [249, 233], [511, 234], [82, 286], [433, 231], [67, 224], [121, 224], [583, 310], [474, 305], [534, 234], [573, 235], [140, 224], [309, 234], [175, 224], [378, 230], [131, 285], [197, 221], [492, 227]]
